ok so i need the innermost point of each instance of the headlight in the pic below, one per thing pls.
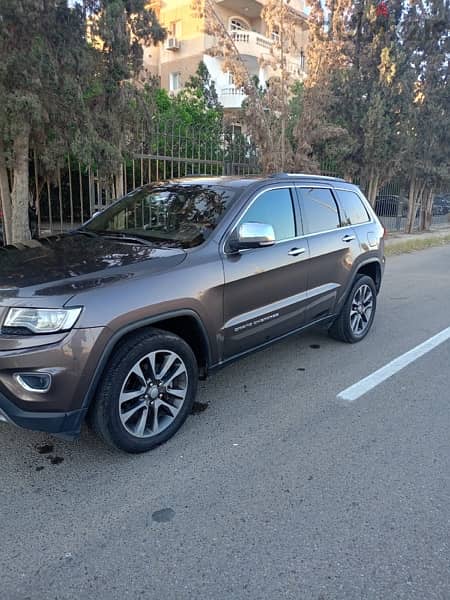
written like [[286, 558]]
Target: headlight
[[42, 320]]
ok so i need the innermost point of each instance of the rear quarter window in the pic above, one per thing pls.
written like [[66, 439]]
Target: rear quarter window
[[354, 211]]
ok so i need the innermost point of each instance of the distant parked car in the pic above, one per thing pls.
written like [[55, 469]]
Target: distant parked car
[[389, 205], [32, 216], [441, 206]]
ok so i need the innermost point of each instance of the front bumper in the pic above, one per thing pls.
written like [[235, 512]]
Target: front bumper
[[67, 424], [71, 360]]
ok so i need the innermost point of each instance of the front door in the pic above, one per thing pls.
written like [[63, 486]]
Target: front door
[[265, 293]]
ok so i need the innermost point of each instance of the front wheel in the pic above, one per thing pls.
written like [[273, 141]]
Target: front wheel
[[357, 314], [146, 393]]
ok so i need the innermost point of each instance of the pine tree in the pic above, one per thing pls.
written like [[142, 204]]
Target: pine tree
[[43, 59], [425, 31], [120, 29]]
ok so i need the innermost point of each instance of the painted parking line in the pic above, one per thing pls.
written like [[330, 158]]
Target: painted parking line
[[363, 386]]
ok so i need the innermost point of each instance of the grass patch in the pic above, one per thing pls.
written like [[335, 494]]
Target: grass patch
[[403, 246]]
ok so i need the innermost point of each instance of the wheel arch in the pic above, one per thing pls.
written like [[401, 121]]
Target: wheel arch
[[186, 324], [372, 269]]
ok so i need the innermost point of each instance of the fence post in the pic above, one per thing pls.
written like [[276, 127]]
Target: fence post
[[80, 179], [70, 191], [61, 216], [37, 203]]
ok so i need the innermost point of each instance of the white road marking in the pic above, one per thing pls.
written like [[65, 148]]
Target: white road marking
[[363, 386]]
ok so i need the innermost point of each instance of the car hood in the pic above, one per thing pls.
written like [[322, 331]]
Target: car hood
[[62, 266]]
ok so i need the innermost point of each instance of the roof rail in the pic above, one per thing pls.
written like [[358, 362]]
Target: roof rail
[[306, 175]]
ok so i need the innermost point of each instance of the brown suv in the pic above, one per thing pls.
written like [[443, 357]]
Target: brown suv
[[116, 321]]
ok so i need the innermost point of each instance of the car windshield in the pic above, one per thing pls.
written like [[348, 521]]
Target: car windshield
[[181, 216]]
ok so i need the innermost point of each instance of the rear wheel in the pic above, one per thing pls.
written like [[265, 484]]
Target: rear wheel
[[146, 393], [357, 314]]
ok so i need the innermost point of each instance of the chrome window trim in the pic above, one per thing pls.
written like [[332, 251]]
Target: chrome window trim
[[304, 235], [343, 189]]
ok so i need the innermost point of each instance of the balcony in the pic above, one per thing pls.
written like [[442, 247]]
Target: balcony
[[251, 43], [230, 97]]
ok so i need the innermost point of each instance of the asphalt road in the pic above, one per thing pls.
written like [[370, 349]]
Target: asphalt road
[[276, 490]]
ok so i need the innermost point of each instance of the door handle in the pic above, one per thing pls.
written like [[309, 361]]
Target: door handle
[[348, 238], [296, 251]]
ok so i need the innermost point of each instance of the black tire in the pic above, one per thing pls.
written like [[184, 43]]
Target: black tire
[[342, 329], [106, 414]]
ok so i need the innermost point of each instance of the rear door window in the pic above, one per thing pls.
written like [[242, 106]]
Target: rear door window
[[319, 210]]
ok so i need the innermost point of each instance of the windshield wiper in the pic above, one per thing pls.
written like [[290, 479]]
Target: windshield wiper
[[85, 232], [124, 237], [116, 235]]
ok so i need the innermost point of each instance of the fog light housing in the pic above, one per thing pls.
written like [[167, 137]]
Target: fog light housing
[[34, 382]]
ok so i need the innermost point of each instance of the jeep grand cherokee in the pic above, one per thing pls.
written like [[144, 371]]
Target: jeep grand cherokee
[[115, 322]]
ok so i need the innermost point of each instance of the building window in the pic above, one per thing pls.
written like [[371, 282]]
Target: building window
[[302, 60], [230, 78], [236, 130], [238, 24], [175, 29], [275, 35], [174, 81]]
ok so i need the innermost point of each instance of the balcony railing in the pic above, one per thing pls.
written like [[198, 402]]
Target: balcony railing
[[255, 44], [251, 42], [231, 97]]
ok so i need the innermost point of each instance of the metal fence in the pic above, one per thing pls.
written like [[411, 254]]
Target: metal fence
[[175, 150], [391, 206], [172, 150]]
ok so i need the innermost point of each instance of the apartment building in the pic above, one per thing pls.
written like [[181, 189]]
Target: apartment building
[[177, 58]]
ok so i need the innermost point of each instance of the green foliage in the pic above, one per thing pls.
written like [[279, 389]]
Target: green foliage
[[202, 85], [380, 78], [42, 73]]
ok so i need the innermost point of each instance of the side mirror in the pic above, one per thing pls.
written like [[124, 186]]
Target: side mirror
[[252, 235]]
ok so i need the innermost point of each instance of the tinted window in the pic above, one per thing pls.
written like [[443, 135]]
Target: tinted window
[[319, 210], [354, 209], [274, 207], [178, 215]]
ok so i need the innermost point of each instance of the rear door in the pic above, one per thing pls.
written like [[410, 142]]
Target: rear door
[[333, 247], [265, 288], [354, 213]]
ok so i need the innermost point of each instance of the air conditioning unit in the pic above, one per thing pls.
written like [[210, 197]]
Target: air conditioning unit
[[172, 44]]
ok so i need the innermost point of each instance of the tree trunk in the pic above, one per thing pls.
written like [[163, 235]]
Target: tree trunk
[[411, 205], [20, 192], [422, 214], [374, 183], [420, 207], [415, 200], [118, 182], [5, 196], [429, 209]]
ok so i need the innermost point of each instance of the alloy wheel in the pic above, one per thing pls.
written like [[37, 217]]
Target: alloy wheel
[[361, 309], [153, 393]]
